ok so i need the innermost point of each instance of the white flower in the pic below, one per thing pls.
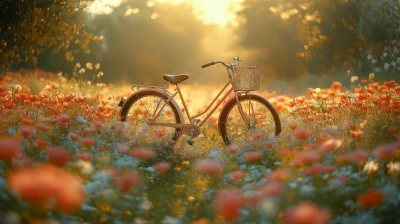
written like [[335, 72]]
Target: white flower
[[146, 204], [369, 57], [89, 66], [385, 54], [353, 79], [386, 66], [394, 168], [89, 83], [374, 61], [100, 74], [170, 220], [371, 167], [393, 63], [268, 207], [82, 71], [97, 66], [78, 65], [59, 74], [85, 167], [398, 60], [317, 90], [371, 76]]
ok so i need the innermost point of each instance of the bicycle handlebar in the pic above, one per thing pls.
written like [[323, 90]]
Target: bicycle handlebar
[[235, 62]]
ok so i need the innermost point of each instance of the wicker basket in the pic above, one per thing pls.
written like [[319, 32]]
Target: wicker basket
[[246, 78]]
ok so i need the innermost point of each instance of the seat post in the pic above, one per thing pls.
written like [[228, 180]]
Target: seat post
[[183, 102]]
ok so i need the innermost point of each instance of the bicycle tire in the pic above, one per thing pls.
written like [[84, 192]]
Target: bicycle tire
[[141, 94], [222, 121]]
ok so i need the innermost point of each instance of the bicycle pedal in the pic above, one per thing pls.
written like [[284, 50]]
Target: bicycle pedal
[[190, 142]]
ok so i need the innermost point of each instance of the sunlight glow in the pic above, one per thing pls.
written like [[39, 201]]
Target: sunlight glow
[[103, 6]]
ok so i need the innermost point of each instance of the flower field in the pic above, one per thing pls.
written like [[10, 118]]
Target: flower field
[[66, 158]]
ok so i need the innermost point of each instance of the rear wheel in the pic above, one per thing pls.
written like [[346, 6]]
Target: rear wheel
[[144, 105], [264, 120]]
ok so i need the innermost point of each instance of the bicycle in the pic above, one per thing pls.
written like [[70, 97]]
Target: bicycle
[[242, 116]]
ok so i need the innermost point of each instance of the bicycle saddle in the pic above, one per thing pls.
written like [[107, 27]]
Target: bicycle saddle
[[175, 79]]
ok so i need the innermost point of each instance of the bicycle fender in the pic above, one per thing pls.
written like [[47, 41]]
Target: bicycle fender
[[163, 92]]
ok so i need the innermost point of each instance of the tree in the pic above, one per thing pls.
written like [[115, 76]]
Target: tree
[[27, 28]]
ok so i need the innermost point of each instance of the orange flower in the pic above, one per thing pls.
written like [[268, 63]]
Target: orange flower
[[302, 134], [269, 145], [58, 155], [306, 213], [9, 147], [236, 175], [128, 180], [229, 203], [330, 145], [253, 156], [336, 85], [306, 157], [160, 133], [162, 167], [292, 126], [40, 184], [209, 166], [356, 134], [352, 127], [87, 141], [279, 175], [63, 120], [141, 153], [370, 199]]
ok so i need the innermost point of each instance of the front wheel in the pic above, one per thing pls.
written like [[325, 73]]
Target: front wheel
[[264, 120]]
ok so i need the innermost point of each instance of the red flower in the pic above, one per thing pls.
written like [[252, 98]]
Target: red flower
[[370, 199], [162, 167], [306, 213], [42, 127], [336, 85], [73, 136], [87, 141], [58, 155], [306, 157], [253, 156], [292, 126], [236, 175], [42, 144], [128, 180], [141, 153], [385, 151], [330, 145], [302, 134], [27, 131], [85, 156], [229, 203], [356, 157], [209, 166], [279, 175], [232, 148], [160, 133], [63, 120], [9, 147], [123, 148]]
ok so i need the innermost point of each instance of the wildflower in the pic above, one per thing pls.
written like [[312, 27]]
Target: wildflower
[[232, 148], [87, 141], [63, 120], [128, 180], [384, 151], [306, 213], [209, 166], [330, 145], [58, 155], [89, 66], [41, 144], [358, 156], [292, 126], [27, 131], [342, 180], [306, 157], [353, 79], [82, 70], [160, 133], [370, 199], [84, 166], [302, 134], [122, 148], [393, 168], [97, 66], [229, 203], [356, 134], [253, 156], [9, 147], [268, 207], [336, 85], [162, 167], [269, 145], [141, 153], [90, 130], [279, 175], [73, 136], [85, 156], [371, 167], [42, 127], [236, 175]]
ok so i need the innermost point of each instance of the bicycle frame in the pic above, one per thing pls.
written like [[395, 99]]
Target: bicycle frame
[[191, 119]]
